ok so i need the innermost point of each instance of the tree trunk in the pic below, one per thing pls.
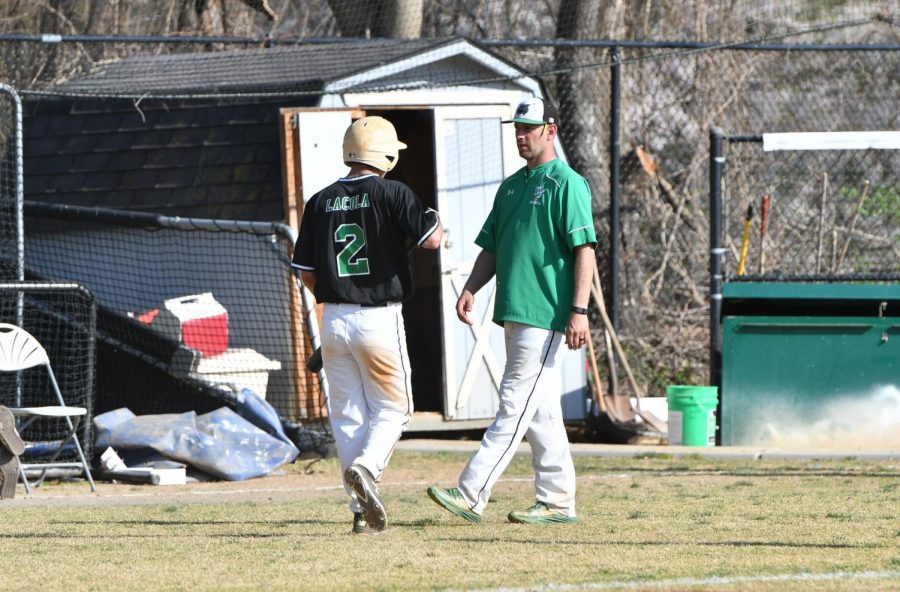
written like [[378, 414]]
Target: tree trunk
[[352, 16], [103, 19], [188, 19], [212, 17], [399, 19], [583, 93], [393, 19], [51, 22]]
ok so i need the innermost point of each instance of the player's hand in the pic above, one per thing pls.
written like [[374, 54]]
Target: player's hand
[[577, 331], [464, 307]]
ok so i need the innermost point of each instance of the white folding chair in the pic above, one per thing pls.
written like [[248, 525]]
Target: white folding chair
[[19, 350]]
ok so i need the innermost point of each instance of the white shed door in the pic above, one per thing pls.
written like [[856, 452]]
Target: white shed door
[[321, 148], [474, 153], [470, 150]]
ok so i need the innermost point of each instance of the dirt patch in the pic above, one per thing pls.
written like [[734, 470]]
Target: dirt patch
[[298, 480]]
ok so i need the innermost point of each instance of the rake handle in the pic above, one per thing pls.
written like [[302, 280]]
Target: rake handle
[[597, 291]]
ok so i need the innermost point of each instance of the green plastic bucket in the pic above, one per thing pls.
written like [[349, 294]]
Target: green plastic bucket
[[692, 415]]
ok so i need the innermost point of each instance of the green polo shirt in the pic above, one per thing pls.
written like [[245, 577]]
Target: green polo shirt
[[538, 218]]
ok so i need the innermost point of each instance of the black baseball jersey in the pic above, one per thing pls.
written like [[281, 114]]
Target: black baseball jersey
[[355, 234]]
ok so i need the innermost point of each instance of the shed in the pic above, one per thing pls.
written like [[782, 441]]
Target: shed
[[251, 134]]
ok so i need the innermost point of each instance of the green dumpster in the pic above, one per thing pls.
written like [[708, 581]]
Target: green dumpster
[[800, 356]]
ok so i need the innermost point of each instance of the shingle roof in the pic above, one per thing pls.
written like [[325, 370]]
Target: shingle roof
[[299, 68], [205, 160]]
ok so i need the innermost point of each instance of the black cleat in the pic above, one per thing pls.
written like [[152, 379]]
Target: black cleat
[[360, 480]]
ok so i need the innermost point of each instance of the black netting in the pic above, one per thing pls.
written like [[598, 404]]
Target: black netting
[[188, 314], [10, 185], [62, 319]]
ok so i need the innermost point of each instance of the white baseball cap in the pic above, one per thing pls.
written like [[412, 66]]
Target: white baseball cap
[[535, 111]]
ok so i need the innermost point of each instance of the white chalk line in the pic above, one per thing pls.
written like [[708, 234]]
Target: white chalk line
[[397, 485], [716, 581], [166, 490]]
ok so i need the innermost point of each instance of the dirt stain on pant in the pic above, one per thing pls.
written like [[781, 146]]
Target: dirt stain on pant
[[386, 370]]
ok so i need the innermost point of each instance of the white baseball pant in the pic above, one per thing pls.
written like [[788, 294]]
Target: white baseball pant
[[531, 407], [370, 395]]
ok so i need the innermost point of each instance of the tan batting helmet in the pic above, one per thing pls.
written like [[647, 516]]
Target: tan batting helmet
[[372, 141]]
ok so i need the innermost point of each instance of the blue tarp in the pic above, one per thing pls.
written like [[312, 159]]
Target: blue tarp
[[226, 444]]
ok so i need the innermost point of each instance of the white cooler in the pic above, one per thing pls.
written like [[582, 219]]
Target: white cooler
[[242, 367]]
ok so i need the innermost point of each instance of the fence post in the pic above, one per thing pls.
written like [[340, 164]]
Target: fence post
[[716, 166], [614, 190], [20, 218], [19, 195]]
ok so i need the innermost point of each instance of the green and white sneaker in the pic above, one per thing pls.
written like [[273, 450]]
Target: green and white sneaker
[[453, 501], [540, 513]]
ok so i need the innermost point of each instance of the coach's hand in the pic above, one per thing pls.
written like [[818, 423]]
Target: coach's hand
[[577, 331], [464, 306]]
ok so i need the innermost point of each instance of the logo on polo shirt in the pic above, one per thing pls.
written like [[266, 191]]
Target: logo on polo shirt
[[537, 200]]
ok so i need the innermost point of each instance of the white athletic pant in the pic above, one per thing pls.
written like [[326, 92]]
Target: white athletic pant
[[530, 407], [370, 395]]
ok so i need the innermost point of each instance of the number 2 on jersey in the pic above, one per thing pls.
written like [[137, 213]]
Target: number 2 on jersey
[[355, 239]]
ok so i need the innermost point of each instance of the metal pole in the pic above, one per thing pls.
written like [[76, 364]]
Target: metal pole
[[19, 197], [20, 221], [312, 321], [716, 167], [614, 232]]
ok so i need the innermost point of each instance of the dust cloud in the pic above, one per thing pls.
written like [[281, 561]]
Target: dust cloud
[[866, 422]]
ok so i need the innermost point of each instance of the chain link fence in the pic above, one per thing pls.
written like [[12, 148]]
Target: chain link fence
[[651, 106], [830, 215], [668, 107]]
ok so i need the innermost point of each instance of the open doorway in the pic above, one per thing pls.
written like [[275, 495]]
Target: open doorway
[[422, 314], [310, 145]]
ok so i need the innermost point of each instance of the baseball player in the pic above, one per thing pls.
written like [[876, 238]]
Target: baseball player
[[539, 242], [352, 253]]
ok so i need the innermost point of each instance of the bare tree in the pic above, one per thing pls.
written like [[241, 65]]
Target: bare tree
[[399, 19], [378, 18], [582, 87], [212, 16], [261, 6]]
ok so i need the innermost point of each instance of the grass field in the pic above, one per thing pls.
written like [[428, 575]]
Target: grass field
[[648, 523]]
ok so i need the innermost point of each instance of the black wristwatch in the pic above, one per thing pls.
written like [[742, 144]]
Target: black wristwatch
[[579, 310]]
